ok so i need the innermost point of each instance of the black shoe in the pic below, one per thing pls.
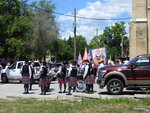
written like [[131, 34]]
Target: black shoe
[[64, 91], [24, 92], [68, 94], [60, 92], [89, 92], [30, 89], [44, 93], [41, 94]]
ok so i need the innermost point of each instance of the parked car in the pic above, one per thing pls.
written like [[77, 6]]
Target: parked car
[[133, 74], [14, 72], [54, 67]]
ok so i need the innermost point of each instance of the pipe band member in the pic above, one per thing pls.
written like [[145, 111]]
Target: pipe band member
[[72, 83], [31, 73], [62, 77], [88, 76], [25, 77], [43, 78]]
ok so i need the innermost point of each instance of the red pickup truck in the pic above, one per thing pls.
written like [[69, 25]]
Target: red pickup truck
[[134, 74]]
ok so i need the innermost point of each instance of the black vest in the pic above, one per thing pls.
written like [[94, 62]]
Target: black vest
[[74, 72], [25, 70]]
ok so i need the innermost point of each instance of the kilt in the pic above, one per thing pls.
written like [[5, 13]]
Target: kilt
[[43, 82], [72, 82], [61, 80], [25, 80], [90, 79], [31, 80], [49, 79]]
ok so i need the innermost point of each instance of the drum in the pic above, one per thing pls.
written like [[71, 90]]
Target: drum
[[80, 86]]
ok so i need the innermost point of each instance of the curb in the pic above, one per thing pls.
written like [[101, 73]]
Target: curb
[[42, 97], [141, 96], [100, 96]]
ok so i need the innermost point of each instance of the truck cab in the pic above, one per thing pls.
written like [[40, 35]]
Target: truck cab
[[135, 73], [13, 72]]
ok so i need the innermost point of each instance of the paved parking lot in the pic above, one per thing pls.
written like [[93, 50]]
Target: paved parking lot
[[15, 90]]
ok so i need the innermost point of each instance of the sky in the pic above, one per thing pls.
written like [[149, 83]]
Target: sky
[[99, 9]]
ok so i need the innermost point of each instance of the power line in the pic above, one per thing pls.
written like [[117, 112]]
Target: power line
[[80, 17]]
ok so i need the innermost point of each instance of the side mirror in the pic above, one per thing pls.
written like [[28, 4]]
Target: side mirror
[[132, 65], [9, 67]]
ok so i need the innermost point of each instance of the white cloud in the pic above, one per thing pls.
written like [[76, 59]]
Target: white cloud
[[85, 31], [107, 9], [104, 9]]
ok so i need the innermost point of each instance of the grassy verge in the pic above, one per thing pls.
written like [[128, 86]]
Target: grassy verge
[[83, 106]]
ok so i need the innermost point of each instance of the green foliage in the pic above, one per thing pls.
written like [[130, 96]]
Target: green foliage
[[15, 47], [19, 34], [97, 41], [29, 32], [45, 29], [63, 50], [112, 39]]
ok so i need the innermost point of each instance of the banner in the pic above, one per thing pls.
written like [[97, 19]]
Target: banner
[[97, 55]]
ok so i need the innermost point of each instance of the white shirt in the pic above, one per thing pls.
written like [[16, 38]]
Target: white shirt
[[30, 71], [85, 71], [69, 71]]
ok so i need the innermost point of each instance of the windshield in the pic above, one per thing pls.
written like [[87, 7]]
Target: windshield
[[36, 64], [55, 65], [127, 63]]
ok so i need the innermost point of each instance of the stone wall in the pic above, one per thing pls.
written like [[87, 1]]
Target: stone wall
[[140, 28]]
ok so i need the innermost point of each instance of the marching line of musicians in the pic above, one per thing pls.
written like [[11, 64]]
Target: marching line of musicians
[[68, 74]]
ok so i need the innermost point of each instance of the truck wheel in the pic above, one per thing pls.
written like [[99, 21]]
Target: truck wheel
[[115, 86], [4, 78]]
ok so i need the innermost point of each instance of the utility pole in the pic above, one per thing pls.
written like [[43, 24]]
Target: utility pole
[[75, 34], [97, 37]]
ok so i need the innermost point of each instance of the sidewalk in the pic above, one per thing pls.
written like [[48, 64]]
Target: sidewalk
[[74, 96], [15, 90]]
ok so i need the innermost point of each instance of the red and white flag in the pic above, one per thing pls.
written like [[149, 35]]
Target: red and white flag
[[85, 57]]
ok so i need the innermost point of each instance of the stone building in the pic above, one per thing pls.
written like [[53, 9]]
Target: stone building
[[140, 28]]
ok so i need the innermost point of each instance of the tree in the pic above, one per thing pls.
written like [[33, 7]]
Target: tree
[[113, 36], [65, 48], [45, 29], [96, 42], [80, 44], [14, 28]]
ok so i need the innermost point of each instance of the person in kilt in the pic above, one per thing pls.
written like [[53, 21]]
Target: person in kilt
[[72, 82], [49, 79], [62, 77], [31, 73], [93, 76], [89, 78], [43, 78], [25, 77]]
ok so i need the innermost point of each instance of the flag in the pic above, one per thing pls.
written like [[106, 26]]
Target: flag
[[89, 55], [85, 57], [79, 60]]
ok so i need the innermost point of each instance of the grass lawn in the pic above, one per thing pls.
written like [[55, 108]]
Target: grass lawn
[[83, 106]]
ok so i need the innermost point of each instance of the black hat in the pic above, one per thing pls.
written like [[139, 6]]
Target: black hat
[[85, 60], [73, 62]]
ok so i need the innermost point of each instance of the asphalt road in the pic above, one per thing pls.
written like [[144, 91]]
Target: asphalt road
[[15, 88]]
